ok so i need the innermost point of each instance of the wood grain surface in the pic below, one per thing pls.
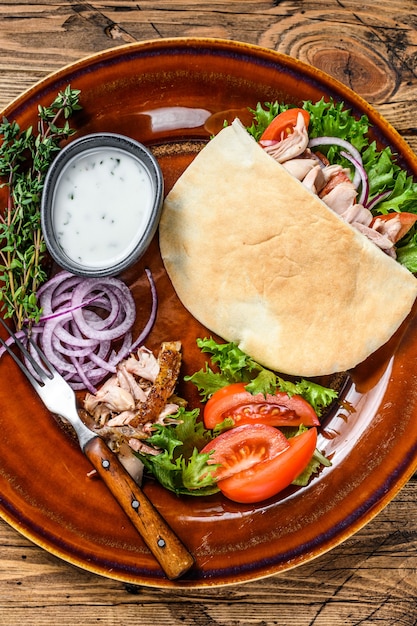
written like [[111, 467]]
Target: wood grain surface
[[372, 577]]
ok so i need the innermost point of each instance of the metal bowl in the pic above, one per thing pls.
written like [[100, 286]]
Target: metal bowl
[[101, 204]]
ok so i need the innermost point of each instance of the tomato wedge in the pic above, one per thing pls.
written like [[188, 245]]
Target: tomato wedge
[[241, 448], [280, 409], [283, 124], [407, 220], [256, 464]]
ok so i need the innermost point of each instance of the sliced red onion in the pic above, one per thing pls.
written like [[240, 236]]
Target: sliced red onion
[[86, 379], [336, 141], [379, 198], [360, 177], [63, 311], [123, 299], [151, 321], [61, 283], [79, 341], [126, 349]]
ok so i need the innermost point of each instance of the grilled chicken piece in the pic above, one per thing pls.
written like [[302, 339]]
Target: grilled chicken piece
[[357, 214], [137, 394], [291, 146], [380, 239], [111, 397], [390, 228], [333, 176], [341, 197], [299, 168], [314, 180], [169, 360], [145, 366], [128, 382]]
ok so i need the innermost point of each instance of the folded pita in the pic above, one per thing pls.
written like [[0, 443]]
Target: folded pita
[[261, 261]]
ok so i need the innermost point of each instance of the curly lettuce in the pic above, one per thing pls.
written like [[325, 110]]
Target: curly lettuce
[[178, 465], [234, 366]]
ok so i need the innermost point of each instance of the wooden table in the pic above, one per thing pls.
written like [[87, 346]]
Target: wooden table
[[372, 577]]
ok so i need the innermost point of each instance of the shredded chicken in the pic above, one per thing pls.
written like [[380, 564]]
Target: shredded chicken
[[357, 214], [108, 399], [128, 382], [140, 446], [333, 176], [341, 197], [299, 168], [145, 366], [314, 179], [137, 396], [390, 228], [381, 240], [292, 145]]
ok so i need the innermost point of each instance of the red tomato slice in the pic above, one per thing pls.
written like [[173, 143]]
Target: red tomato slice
[[241, 448], [266, 479], [235, 402], [407, 220], [283, 124]]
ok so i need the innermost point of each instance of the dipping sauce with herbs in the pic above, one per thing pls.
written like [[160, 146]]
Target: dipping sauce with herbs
[[102, 203]]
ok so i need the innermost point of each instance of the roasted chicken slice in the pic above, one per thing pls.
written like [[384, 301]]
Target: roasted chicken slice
[[169, 361], [138, 393]]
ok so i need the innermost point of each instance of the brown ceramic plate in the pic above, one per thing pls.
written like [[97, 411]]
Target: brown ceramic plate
[[171, 94]]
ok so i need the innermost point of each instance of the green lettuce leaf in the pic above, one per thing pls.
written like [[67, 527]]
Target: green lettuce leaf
[[179, 466], [317, 461], [330, 119], [407, 251], [318, 396], [233, 366]]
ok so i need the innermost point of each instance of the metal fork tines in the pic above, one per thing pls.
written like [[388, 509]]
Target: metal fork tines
[[59, 398], [54, 391]]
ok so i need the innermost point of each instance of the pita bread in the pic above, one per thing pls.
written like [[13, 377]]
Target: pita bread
[[259, 260]]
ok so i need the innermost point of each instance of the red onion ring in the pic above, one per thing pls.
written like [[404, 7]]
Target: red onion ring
[[360, 175], [336, 141], [378, 198], [148, 327], [81, 320]]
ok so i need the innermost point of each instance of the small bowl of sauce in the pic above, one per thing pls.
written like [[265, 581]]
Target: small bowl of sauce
[[101, 204]]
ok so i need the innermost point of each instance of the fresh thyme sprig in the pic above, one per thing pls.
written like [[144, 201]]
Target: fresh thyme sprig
[[25, 157]]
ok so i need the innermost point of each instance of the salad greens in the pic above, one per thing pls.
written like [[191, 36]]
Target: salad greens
[[390, 187], [179, 466]]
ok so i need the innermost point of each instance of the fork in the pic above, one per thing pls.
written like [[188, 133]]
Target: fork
[[59, 398]]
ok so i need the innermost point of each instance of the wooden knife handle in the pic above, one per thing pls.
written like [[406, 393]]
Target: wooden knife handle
[[161, 540]]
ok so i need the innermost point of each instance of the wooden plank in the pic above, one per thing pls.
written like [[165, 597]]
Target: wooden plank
[[370, 576]]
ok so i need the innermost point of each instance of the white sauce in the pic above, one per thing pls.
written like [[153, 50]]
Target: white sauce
[[102, 203]]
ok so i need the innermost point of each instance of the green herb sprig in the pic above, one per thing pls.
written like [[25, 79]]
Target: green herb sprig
[[25, 157]]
